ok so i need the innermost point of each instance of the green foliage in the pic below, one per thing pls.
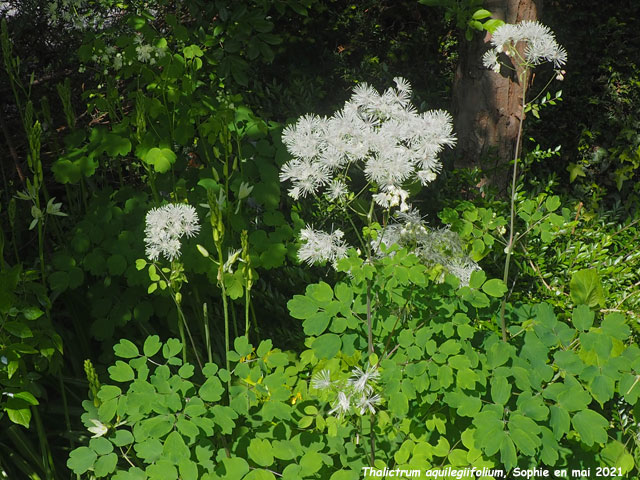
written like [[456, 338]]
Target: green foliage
[[537, 399]]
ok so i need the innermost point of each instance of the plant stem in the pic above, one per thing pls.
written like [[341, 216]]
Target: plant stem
[[225, 309], [514, 178]]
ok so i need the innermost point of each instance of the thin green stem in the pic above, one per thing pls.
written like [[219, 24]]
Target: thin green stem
[[509, 249]]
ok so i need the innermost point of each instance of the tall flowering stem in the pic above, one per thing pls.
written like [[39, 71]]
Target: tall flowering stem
[[217, 230], [527, 44], [164, 228]]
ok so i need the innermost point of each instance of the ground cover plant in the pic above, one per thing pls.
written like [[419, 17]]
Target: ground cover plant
[[200, 281]]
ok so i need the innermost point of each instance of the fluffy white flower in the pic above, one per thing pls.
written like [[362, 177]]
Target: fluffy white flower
[[164, 228], [321, 246], [361, 379], [490, 60], [382, 135], [321, 380], [367, 403], [342, 405], [539, 45]]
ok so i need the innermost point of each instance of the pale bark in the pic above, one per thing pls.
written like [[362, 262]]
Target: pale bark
[[487, 106]]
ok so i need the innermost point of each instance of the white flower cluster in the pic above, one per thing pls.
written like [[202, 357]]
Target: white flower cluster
[[356, 395], [164, 228], [321, 246], [539, 45], [432, 247], [381, 134], [146, 53]]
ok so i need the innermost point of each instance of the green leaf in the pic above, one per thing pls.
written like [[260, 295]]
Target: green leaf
[[582, 317], [160, 158], [21, 416], [174, 448], [126, 349], [151, 345], [261, 452], [316, 324], [591, 426], [575, 171], [259, 473], [81, 459], [301, 307], [101, 445], [172, 348], [616, 455], [236, 468], [524, 433], [615, 325], [211, 390], [481, 14], [310, 462], [327, 345], [122, 437], [121, 372], [500, 390], [586, 288], [105, 465], [398, 404], [188, 469], [494, 287]]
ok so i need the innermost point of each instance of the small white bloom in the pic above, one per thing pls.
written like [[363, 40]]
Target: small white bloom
[[342, 405], [321, 246], [164, 228], [321, 380], [99, 429], [360, 379], [490, 60], [367, 403]]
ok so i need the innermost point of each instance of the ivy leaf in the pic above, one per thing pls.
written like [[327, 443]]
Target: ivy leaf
[[591, 426]]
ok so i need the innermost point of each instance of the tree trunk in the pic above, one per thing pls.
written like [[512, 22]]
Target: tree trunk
[[487, 106]]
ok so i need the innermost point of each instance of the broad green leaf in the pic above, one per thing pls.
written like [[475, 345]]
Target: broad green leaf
[[524, 433], [591, 426], [121, 372], [398, 404], [105, 465], [500, 390], [211, 390], [494, 287], [302, 307], [235, 468], [174, 449], [152, 345], [21, 416], [327, 345], [161, 158], [101, 445], [122, 437], [188, 469], [126, 349], [81, 459], [616, 455], [586, 288], [310, 462], [614, 325], [261, 452], [582, 317]]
